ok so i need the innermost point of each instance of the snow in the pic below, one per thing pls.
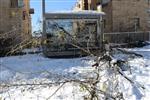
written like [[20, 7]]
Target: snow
[[27, 51], [140, 68], [87, 12], [35, 68]]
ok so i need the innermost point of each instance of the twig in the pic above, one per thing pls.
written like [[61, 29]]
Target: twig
[[131, 81], [129, 52], [42, 84], [56, 91]]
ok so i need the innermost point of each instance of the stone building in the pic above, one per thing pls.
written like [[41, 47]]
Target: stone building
[[15, 22], [27, 11], [86, 5], [121, 15], [127, 15]]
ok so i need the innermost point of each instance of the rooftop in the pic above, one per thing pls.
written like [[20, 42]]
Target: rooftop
[[85, 14]]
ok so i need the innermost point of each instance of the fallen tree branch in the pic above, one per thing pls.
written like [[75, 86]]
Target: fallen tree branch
[[130, 80], [129, 52], [42, 84], [56, 91]]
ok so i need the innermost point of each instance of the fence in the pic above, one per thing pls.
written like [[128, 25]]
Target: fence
[[126, 37]]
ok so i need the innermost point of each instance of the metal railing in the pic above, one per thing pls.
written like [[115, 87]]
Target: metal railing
[[126, 37]]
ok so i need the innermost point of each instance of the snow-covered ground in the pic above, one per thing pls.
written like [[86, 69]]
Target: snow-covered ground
[[35, 68], [38, 69], [140, 68]]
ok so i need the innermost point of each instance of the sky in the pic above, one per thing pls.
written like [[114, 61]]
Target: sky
[[51, 6]]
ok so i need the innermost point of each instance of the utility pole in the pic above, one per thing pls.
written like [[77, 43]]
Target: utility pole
[[43, 17], [43, 26]]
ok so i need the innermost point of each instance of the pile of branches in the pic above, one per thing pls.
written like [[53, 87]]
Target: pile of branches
[[115, 67]]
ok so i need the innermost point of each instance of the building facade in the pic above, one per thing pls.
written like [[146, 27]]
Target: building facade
[[86, 5], [127, 15], [15, 21], [121, 15], [27, 18]]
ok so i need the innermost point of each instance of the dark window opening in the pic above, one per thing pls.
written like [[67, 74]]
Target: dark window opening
[[86, 4], [14, 3], [79, 6], [137, 22], [148, 2], [104, 23], [24, 15]]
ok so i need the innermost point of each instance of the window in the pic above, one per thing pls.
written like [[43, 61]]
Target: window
[[85, 4], [104, 23], [137, 22], [99, 2], [79, 6], [20, 3], [148, 1], [14, 3], [24, 15]]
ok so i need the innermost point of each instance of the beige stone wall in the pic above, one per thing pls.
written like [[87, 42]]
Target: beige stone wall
[[124, 12], [93, 4], [78, 6], [4, 18], [27, 22], [11, 22], [107, 22], [12, 19]]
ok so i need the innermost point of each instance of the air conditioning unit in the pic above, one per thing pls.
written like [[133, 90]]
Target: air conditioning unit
[[31, 11]]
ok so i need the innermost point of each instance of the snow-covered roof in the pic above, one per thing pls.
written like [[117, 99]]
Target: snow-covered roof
[[85, 14]]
